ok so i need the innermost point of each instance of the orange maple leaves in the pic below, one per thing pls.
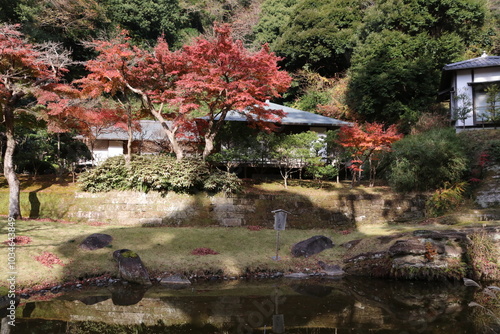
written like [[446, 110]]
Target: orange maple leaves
[[365, 143]]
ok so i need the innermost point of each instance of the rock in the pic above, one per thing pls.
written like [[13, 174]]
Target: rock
[[351, 244], [311, 246], [296, 275], [175, 281], [407, 247], [130, 267], [96, 241], [331, 270]]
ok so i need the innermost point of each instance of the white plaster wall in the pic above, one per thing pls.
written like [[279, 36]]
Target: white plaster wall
[[104, 149], [115, 147], [462, 80], [487, 74]]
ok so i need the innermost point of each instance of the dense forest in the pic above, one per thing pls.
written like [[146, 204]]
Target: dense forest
[[377, 60], [73, 66]]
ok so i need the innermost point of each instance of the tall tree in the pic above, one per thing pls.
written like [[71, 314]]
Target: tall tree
[[403, 45], [146, 20], [219, 75], [202, 82], [321, 35], [25, 70]]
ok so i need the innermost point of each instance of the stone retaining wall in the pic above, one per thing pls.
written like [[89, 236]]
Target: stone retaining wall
[[253, 209]]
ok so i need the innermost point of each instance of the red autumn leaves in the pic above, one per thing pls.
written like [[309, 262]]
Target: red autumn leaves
[[365, 143]]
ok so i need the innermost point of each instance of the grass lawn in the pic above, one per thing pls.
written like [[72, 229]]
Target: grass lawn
[[167, 249]]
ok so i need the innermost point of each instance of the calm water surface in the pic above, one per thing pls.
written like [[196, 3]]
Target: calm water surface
[[270, 306]]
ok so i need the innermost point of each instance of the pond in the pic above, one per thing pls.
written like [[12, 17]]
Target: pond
[[348, 305]]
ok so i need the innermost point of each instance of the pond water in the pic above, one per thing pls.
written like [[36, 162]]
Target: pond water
[[348, 305]]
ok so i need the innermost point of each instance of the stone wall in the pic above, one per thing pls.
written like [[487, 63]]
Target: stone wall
[[331, 210]]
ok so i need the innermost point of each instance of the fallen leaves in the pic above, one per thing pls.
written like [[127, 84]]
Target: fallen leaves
[[49, 259], [19, 240], [203, 251]]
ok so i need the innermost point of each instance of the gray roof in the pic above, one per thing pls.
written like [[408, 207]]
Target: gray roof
[[292, 117], [483, 61], [152, 130]]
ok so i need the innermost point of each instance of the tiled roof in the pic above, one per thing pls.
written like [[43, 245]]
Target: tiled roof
[[483, 61], [293, 117], [152, 130]]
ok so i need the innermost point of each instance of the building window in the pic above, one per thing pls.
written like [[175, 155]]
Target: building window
[[486, 103]]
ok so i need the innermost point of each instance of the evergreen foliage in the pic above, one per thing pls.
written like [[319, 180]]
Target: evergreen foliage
[[157, 173], [427, 161], [321, 35], [403, 46]]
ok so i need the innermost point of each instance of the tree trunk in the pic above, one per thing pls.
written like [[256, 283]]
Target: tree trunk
[[8, 166], [128, 157], [209, 144], [174, 144]]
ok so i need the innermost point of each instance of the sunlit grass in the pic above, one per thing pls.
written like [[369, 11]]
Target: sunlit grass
[[168, 250]]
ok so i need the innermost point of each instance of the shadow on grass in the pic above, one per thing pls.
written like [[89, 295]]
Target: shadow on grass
[[306, 214]]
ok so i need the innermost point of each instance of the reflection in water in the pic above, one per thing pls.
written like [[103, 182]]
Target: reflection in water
[[273, 306]]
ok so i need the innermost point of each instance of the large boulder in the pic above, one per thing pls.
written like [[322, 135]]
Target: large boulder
[[130, 267], [96, 241], [428, 255], [311, 246]]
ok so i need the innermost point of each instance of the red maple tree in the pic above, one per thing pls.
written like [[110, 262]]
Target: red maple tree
[[190, 89], [365, 144], [25, 69], [218, 75]]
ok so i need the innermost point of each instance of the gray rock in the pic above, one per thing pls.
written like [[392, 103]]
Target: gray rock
[[331, 270], [96, 241], [296, 275], [311, 246], [351, 244], [407, 247], [176, 280], [131, 268]]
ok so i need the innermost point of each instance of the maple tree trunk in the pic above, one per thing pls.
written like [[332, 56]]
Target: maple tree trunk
[[174, 144], [209, 145], [8, 166], [128, 157]]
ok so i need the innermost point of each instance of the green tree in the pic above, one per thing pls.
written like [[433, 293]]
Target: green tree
[[403, 45], [493, 101], [427, 161], [236, 144], [295, 152], [462, 107], [147, 20], [41, 152], [321, 35], [274, 20]]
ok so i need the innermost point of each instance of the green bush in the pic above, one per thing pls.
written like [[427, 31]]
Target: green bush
[[159, 173], [494, 151], [446, 199], [427, 161]]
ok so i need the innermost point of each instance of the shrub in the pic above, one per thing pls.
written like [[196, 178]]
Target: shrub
[[483, 256], [446, 199], [223, 182], [494, 151], [110, 175], [159, 173], [426, 161]]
